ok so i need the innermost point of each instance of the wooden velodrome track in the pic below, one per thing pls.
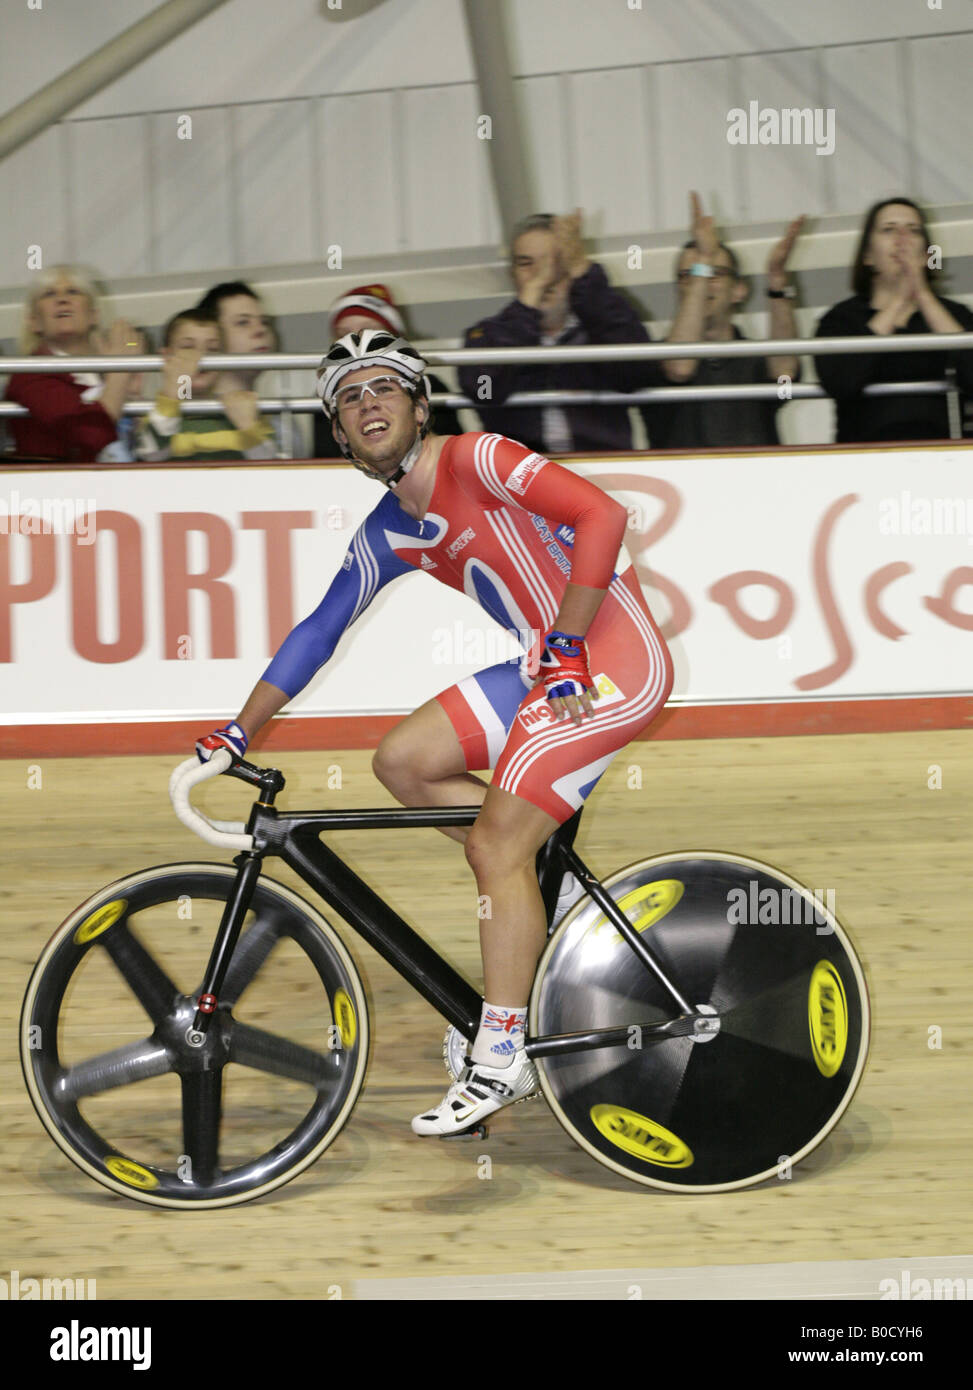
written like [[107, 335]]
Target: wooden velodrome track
[[892, 1184]]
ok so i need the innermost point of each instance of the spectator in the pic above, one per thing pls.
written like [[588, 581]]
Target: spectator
[[72, 414], [710, 291], [893, 294], [372, 306], [246, 327], [122, 449], [562, 298], [234, 430]]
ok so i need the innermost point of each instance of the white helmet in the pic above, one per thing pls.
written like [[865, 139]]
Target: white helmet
[[375, 347]]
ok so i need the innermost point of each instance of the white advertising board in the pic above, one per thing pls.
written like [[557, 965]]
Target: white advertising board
[[776, 577]]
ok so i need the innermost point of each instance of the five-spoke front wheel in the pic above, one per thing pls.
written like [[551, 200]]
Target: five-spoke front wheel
[[132, 1095]]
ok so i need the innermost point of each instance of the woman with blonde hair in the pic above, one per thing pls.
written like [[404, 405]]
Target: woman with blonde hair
[[72, 414]]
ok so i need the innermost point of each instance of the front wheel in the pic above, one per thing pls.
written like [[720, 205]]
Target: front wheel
[[121, 1084], [764, 1083]]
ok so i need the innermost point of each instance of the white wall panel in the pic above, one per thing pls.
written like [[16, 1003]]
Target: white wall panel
[[274, 159], [447, 169], [357, 143], [32, 184], [691, 101], [943, 108], [608, 125], [111, 215], [193, 213], [782, 180], [565, 35], [864, 85], [542, 115]]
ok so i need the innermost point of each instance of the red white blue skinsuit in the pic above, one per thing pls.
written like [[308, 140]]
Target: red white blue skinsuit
[[509, 528]]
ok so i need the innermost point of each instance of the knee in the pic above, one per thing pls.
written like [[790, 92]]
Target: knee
[[393, 761], [491, 852]]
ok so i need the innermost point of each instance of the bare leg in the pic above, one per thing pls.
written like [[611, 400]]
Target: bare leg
[[422, 764], [501, 849]]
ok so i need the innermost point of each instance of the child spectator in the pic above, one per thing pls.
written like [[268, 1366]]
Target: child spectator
[[246, 327], [234, 430]]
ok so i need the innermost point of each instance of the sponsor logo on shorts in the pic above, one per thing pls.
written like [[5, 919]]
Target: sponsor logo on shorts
[[526, 469], [348, 561], [536, 716], [608, 691], [426, 563], [460, 543]]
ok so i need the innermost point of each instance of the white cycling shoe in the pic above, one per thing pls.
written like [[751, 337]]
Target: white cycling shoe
[[570, 892], [478, 1093]]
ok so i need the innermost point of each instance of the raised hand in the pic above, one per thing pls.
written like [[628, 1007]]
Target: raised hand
[[779, 255], [240, 407], [121, 340], [567, 237], [702, 229]]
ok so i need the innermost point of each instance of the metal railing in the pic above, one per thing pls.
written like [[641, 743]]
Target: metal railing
[[588, 352]]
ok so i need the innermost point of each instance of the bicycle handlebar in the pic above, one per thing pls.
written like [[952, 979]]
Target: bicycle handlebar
[[225, 834]]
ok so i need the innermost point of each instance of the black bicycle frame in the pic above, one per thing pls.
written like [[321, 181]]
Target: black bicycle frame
[[295, 837]]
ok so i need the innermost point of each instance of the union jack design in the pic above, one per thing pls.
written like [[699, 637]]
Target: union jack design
[[509, 1021]]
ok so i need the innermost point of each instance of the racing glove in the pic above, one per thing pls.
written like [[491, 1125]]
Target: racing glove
[[564, 666], [231, 737]]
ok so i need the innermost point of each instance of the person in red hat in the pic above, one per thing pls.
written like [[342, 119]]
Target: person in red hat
[[372, 306]]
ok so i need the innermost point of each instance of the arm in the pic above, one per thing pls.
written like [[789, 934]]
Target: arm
[[689, 323], [55, 402], [369, 564], [782, 324], [844, 375], [609, 318], [506, 470], [962, 361], [518, 325], [557, 494]]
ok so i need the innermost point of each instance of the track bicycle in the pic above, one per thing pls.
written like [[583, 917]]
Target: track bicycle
[[698, 1020]]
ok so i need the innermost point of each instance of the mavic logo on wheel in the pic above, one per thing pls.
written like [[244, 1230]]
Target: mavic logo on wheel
[[345, 1018], [100, 921], [132, 1173], [643, 1138], [643, 907], [827, 1012]]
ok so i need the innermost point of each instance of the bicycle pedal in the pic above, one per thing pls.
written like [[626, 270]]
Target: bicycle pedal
[[477, 1131]]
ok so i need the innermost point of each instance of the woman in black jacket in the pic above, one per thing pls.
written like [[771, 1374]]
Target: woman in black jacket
[[892, 295]]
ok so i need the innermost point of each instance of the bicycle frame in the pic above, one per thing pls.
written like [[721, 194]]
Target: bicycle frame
[[294, 837]]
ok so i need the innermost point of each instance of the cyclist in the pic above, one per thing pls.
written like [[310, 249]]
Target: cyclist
[[536, 546]]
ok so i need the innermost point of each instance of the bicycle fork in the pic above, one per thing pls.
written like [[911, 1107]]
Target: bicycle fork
[[238, 902]]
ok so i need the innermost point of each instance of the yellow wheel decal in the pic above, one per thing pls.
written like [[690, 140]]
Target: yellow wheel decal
[[100, 921]]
